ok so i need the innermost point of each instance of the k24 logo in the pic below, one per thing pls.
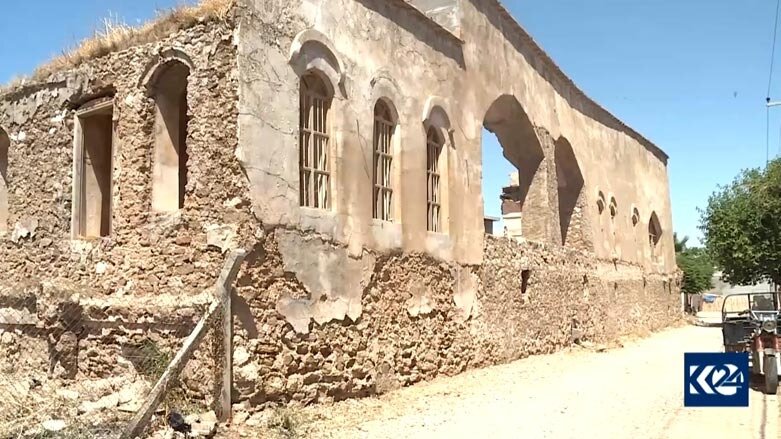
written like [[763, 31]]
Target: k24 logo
[[716, 380]]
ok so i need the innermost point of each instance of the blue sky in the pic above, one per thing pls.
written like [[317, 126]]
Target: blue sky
[[690, 75]]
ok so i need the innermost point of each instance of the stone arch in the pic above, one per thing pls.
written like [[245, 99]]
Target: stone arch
[[312, 51], [524, 201], [5, 145], [435, 113], [570, 188], [383, 86], [167, 86], [160, 64]]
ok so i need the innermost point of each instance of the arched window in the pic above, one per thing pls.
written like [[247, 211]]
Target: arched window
[[434, 144], [600, 202], [384, 129], [169, 169], [5, 144], [613, 208], [314, 143], [635, 217], [654, 233]]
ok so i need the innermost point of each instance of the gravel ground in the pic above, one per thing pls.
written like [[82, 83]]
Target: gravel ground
[[629, 392]]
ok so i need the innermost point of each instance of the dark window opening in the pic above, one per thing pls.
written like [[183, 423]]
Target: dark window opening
[[5, 144], [95, 176], [170, 160], [525, 274]]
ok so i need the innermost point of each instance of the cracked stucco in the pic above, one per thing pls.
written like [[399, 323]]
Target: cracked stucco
[[334, 280]]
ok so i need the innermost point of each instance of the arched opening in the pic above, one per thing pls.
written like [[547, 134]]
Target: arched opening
[[384, 136], [613, 211], [314, 144], [570, 186], [169, 169], [522, 201], [613, 208], [654, 234], [312, 51], [93, 170], [5, 145], [635, 217], [435, 142], [600, 203]]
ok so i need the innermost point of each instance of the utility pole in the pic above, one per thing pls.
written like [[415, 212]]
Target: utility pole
[[769, 104]]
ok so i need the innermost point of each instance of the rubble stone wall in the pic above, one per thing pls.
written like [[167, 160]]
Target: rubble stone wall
[[318, 316], [421, 318], [146, 252], [78, 308]]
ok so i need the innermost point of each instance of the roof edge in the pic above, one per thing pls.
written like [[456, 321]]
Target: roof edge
[[597, 110]]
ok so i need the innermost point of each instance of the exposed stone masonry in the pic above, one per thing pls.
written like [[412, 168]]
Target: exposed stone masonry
[[329, 304]]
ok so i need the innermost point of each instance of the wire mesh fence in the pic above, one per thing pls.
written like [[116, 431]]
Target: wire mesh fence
[[75, 366]]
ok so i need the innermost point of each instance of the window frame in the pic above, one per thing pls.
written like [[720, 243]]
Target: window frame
[[384, 137], [314, 160], [92, 108], [435, 144]]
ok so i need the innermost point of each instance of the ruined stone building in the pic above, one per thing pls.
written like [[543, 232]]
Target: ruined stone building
[[339, 142]]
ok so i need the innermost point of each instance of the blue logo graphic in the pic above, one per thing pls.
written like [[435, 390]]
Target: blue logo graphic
[[716, 380]]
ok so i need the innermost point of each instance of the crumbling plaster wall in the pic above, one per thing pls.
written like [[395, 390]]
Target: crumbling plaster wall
[[140, 283], [429, 303], [330, 304], [419, 65], [421, 318], [145, 253]]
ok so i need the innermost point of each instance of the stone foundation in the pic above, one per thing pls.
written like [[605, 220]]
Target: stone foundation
[[414, 318], [421, 318], [330, 303]]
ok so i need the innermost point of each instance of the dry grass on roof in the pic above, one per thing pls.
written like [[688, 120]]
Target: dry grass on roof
[[115, 36]]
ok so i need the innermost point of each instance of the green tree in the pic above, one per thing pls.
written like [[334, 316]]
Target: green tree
[[680, 244], [697, 267], [742, 226]]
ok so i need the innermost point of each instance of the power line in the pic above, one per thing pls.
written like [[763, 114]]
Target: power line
[[773, 50], [770, 83]]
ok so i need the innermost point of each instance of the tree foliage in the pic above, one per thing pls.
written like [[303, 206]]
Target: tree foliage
[[697, 267], [680, 244], [742, 226]]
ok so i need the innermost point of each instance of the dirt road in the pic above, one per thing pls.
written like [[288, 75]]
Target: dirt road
[[632, 392]]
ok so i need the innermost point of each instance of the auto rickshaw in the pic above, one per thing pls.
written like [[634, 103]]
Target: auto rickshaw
[[750, 323]]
